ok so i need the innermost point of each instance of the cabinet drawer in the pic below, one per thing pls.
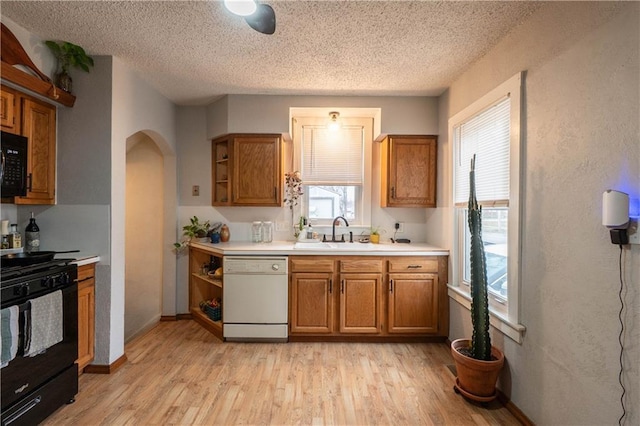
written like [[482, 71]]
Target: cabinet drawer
[[310, 264], [413, 265], [361, 265], [86, 271]]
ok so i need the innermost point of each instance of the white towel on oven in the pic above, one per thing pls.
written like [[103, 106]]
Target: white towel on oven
[[46, 323], [9, 331]]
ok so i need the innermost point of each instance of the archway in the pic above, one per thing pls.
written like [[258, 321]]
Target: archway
[[145, 229]]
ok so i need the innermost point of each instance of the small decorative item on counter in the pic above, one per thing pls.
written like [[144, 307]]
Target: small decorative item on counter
[[299, 227], [267, 232], [15, 239], [256, 232], [309, 232], [215, 237], [32, 236], [5, 242], [224, 233], [374, 236]]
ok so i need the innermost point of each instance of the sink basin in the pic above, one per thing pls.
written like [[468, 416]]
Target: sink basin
[[333, 246]]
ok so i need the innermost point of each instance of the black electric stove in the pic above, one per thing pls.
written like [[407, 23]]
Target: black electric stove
[[33, 387]]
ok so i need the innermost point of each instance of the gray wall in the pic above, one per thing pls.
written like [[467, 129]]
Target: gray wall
[[581, 137]]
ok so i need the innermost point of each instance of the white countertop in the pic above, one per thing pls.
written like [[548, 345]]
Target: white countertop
[[81, 258], [286, 248]]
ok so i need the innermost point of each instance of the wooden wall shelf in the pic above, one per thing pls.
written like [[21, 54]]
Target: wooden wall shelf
[[35, 84]]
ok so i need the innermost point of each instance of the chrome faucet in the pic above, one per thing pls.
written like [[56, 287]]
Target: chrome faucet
[[333, 230]]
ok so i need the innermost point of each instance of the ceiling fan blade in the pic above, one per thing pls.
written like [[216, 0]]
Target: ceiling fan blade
[[263, 19]]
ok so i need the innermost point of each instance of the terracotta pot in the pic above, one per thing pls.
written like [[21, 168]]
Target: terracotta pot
[[476, 379]]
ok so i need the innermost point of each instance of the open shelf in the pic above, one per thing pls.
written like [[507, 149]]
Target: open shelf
[[215, 327], [212, 281]]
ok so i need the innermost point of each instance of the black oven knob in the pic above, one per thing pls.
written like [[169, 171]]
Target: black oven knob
[[48, 282], [22, 290], [64, 278]]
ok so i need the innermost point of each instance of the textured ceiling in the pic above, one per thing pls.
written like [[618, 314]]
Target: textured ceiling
[[195, 51]]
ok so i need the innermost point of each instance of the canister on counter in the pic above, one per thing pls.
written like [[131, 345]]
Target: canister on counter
[[15, 239]]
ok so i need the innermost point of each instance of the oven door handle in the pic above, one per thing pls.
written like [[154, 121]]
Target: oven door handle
[[23, 410]]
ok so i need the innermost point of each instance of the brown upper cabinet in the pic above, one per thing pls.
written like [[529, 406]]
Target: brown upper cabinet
[[408, 171], [30, 117], [246, 170]]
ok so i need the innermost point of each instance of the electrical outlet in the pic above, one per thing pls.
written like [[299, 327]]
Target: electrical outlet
[[195, 191], [399, 227], [281, 226]]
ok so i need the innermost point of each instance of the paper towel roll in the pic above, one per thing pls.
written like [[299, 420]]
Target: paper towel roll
[[615, 209], [5, 227]]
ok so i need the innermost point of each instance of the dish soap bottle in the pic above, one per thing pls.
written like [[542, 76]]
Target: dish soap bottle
[[32, 236], [309, 232]]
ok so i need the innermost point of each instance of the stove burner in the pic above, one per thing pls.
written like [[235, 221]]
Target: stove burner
[[8, 273]]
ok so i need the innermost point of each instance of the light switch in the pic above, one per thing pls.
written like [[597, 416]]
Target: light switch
[[195, 191]]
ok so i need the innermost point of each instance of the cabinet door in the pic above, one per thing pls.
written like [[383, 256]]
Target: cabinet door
[[409, 171], [8, 111], [256, 170], [413, 303], [86, 321], [311, 303], [360, 303], [221, 172], [39, 126]]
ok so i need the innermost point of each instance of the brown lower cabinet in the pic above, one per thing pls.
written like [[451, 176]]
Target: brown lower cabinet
[[368, 297], [86, 315]]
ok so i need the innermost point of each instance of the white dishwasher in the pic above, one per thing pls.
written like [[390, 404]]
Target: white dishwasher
[[255, 299]]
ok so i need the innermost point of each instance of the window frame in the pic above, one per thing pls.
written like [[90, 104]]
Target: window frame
[[364, 201], [506, 320]]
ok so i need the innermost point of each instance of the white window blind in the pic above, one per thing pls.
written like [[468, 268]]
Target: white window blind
[[332, 157], [486, 134]]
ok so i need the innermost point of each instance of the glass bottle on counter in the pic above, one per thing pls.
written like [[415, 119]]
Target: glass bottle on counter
[[256, 232], [32, 236], [15, 239], [267, 232]]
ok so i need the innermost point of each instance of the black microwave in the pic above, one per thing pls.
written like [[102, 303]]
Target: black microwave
[[13, 171]]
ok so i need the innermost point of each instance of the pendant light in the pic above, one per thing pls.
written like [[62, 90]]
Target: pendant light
[[241, 7]]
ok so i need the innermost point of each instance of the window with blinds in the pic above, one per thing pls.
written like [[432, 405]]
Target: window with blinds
[[335, 168], [487, 135], [489, 128], [332, 157]]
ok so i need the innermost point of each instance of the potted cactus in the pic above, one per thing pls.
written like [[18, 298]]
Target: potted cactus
[[478, 364]]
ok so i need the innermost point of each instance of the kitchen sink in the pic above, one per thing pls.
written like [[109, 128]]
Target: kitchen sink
[[324, 246]]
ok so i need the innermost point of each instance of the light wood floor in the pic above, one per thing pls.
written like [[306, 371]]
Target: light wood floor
[[178, 373]]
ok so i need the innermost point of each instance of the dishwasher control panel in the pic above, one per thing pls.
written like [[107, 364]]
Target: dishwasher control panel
[[255, 265]]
